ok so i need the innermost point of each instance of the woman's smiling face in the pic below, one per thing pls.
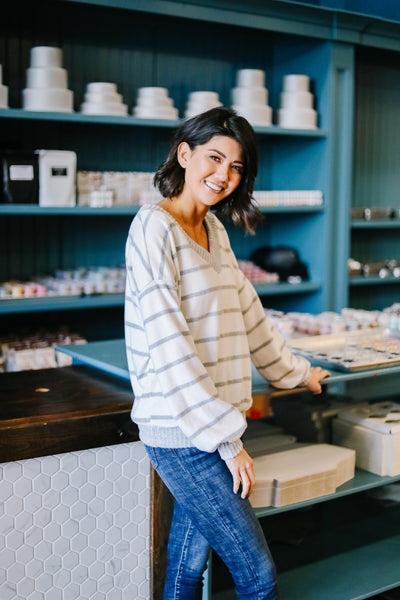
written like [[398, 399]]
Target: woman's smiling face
[[212, 171]]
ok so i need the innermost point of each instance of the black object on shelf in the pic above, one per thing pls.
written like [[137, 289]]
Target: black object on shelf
[[283, 260], [20, 178]]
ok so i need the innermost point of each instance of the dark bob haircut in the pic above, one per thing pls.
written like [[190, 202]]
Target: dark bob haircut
[[170, 177]]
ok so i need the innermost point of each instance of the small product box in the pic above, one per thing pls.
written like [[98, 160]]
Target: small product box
[[57, 178], [301, 473], [19, 177], [373, 431]]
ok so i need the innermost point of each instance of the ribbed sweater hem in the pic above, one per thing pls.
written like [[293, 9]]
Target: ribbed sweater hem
[[173, 437]]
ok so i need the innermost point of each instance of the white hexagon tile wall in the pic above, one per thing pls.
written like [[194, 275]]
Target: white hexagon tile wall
[[75, 526]]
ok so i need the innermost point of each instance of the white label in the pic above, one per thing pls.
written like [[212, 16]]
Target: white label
[[21, 172]]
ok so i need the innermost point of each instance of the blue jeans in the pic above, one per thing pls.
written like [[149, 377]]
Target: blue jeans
[[208, 514]]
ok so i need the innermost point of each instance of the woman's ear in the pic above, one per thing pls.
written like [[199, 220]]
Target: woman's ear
[[183, 154]]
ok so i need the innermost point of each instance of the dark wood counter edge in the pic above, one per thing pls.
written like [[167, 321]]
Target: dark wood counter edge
[[161, 508]]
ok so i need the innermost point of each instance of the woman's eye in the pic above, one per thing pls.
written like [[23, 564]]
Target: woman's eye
[[238, 168], [216, 158]]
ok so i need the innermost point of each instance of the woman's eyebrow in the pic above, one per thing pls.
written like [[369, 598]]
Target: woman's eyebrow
[[223, 155]]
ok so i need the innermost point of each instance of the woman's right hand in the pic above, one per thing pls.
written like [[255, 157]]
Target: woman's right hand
[[317, 373], [242, 470]]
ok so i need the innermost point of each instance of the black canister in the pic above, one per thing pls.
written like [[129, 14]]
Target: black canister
[[19, 178]]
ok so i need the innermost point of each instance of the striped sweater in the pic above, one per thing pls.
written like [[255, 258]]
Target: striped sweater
[[193, 323]]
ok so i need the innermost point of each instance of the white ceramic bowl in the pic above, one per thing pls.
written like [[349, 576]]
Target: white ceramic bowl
[[249, 95], [155, 112], [152, 91], [46, 56], [256, 114], [47, 99], [149, 101], [302, 118], [293, 100], [296, 83], [196, 108], [204, 97], [46, 77], [105, 108], [250, 78], [96, 97], [101, 87]]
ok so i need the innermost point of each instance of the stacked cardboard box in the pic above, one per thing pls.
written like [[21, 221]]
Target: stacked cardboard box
[[373, 430]]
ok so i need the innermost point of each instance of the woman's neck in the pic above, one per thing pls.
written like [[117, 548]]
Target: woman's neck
[[191, 221]]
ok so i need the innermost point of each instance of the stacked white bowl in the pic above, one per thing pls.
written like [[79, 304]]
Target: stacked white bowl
[[46, 82], [199, 102], [154, 103], [3, 91], [102, 98], [250, 97], [296, 103]]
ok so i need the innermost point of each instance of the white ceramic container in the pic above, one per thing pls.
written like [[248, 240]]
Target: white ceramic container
[[46, 56], [249, 95], [250, 78], [145, 92], [161, 101], [301, 118], [3, 96], [101, 87], [155, 112], [296, 83], [293, 100], [47, 99], [96, 97], [104, 108], [204, 97], [46, 77], [256, 114]]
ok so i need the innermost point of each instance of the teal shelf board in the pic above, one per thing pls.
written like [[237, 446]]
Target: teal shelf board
[[52, 303], [276, 289], [378, 224], [365, 570], [35, 209], [291, 209], [362, 481], [27, 305], [373, 280], [276, 130], [76, 117]]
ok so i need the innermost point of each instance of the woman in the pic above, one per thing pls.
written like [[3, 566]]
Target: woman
[[193, 325]]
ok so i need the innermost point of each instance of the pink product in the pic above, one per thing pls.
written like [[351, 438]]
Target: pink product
[[20, 289], [256, 274]]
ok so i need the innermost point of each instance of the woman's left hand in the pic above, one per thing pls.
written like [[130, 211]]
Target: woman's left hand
[[317, 373], [241, 467]]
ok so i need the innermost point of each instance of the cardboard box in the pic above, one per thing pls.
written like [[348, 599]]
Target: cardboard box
[[300, 474], [376, 451]]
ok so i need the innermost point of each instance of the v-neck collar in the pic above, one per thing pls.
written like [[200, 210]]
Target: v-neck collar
[[211, 256]]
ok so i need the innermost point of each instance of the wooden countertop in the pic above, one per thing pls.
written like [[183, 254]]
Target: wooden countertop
[[60, 410]]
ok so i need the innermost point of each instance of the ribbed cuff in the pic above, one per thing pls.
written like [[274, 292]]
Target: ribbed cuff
[[230, 449]]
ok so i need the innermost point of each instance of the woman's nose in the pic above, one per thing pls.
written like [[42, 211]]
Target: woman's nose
[[223, 172]]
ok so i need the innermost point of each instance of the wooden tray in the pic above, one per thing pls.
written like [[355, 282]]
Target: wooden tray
[[350, 351]]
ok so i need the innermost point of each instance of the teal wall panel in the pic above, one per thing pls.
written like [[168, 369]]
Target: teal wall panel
[[376, 127]]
